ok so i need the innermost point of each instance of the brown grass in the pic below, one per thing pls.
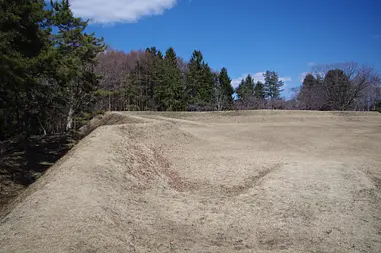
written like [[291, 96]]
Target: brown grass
[[253, 181]]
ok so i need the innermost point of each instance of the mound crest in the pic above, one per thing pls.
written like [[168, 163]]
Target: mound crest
[[208, 182], [120, 158]]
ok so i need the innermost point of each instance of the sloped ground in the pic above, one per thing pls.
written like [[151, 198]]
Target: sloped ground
[[262, 181], [19, 169]]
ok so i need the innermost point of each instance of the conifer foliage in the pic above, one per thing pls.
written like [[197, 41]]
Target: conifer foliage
[[46, 67]]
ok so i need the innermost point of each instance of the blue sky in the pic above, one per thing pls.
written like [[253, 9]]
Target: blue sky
[[246, 36]]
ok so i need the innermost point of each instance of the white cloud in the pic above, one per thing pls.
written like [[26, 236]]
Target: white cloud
[[311, 64], [119, 11], [257, 77], [235, 82], [285, 79], [315, 74], [302, 76]]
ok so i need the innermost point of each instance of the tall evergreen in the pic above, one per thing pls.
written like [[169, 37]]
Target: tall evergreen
[[170, 92], [259, 90], [200, 82], [245, 90], [272, 85], [77, 58], [24, 59], [226, 88], [157, 75]]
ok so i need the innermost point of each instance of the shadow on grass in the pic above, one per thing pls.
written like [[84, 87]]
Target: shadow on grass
[[20, 166]]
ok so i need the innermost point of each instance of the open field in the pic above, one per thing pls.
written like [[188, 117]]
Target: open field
[[260, 181]]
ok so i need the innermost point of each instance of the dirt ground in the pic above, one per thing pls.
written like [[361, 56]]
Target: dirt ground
[[260, 181]]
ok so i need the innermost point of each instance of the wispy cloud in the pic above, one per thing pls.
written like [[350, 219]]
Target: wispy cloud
[[314, 73], [311, 64], [119, 11], [257, 77], [285, 79], [302, 76], [377, 36]]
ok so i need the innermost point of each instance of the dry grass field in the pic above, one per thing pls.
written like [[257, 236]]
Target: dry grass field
[[260, 181]]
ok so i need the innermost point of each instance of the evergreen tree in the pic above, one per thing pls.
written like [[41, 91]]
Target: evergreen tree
[[272, 85], [259, 90], [170, 91], [207, 85], [245, 89], [24, 59], [77, 58], [200, 82], [157, 75], [152, 51], [226, 89]]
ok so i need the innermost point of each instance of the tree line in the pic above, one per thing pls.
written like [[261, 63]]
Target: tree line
[[152, 81], [54, 76], [258, 95]]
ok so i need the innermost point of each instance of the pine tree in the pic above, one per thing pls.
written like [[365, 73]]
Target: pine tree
[[170, 92], [77, 52], [226, 89], [245, 89], [272, 85], [24, 59], [207, 84], [157, 74], [200, 82], [259, 90]]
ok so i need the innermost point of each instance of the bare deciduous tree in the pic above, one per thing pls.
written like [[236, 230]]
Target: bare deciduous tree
[[115, 66], [340, 94]]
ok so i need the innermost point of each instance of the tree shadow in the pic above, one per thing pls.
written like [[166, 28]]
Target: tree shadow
[[21, 164]]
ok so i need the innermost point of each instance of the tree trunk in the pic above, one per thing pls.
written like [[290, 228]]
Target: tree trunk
[[69, 124], [109, 102], [42, 126]]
